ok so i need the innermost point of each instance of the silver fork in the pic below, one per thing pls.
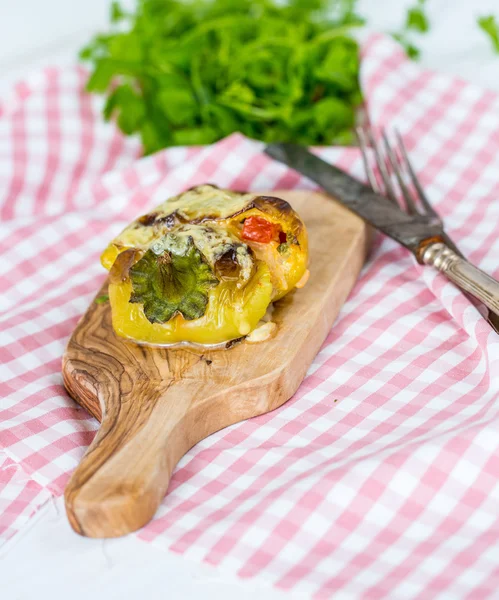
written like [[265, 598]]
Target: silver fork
[[392, 165]]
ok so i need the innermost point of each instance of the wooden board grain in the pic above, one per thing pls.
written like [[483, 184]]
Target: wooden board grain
[[154, 404]]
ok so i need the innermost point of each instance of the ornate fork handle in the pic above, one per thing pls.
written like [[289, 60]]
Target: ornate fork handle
[[463, 274]]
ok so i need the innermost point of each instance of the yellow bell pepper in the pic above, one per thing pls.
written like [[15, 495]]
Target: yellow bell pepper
[[204, 266]]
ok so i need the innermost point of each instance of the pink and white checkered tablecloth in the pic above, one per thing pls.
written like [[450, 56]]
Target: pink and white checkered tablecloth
[[380, 478]]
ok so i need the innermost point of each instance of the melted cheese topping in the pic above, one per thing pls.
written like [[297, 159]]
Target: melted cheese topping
[[206, 201], [137, 237], [262, 332], [212, 242]]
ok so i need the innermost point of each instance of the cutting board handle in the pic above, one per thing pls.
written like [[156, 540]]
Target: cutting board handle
[[125, 472]]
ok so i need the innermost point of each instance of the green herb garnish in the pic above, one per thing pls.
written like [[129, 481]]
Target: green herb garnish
[[170, 280], [410, 49], [102, 299], [416, 20], [181, 72], [490, 25], [178, 72]]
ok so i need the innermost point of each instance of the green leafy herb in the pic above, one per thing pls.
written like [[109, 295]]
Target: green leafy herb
[[410, 49], [416, 21], [102, 299], [283, 248], [172, 278], [117, 13], [491, 27], [416, 18], [177, 72], [181, 72]]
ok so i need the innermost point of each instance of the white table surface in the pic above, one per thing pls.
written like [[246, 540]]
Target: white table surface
[[61, 564]]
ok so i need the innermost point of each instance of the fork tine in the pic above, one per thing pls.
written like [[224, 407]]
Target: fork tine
[[380, 161], [430, 211], [415, 181], [409, 202], [371, 176]]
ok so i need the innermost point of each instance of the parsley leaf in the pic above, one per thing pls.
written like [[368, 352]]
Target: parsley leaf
[[179, 72], [490, 25], [417, 21], [416, 18], [410, 49]]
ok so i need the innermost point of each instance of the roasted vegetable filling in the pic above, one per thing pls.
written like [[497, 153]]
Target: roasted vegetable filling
[[204, 266]]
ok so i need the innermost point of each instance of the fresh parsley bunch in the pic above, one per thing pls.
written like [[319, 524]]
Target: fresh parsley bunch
[[191, 72]]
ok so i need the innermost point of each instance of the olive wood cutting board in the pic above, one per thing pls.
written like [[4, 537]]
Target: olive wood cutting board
[[154, 404]]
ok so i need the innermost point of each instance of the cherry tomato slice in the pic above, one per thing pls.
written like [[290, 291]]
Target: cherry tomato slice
[[260, 230]]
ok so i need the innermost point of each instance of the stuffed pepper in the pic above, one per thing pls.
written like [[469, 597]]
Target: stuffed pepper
[[204, 266]]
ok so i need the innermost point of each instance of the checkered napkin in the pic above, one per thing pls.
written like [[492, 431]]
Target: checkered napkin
[[380, 478], [20, 496]]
